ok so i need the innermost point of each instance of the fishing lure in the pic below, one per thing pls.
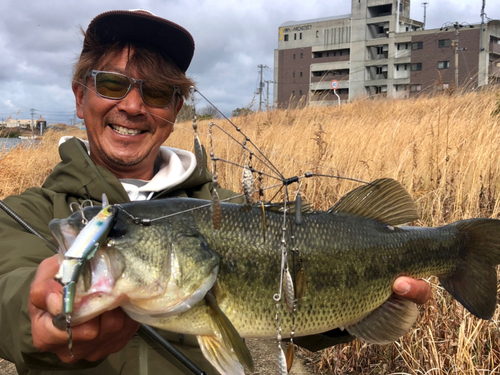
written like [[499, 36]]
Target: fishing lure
[[92, 236]]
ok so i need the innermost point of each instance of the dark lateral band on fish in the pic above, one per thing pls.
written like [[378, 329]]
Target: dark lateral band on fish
[[350, 257]]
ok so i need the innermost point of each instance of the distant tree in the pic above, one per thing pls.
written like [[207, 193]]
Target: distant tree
[[186, 113], [241, 112], [207, 113]]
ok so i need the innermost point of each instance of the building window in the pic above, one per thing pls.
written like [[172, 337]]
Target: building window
[[294, 56], [300, 92], [380, 50], [293, 75], [286, 37], [301, 74], [295, 36], [415, 88], [301, 55], [300, 36], [293, 92], [381, 29], [444, 43], [318, 55], [443, 64], [417, 45], [317, 33], [417, 66]]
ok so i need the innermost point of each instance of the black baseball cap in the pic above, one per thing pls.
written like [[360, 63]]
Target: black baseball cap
[[145, 28]]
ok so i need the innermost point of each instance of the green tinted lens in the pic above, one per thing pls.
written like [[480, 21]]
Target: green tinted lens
[[111, 85], [159, 98]]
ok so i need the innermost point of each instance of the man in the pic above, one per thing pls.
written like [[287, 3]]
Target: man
[[129, 84]]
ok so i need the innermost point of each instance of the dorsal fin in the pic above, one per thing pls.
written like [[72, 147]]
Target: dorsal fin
[[384, 200]]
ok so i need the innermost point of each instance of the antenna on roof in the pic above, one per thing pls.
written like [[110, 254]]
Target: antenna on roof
[[425, 5]]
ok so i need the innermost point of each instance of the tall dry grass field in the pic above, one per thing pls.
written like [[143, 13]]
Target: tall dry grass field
[[443, 149]]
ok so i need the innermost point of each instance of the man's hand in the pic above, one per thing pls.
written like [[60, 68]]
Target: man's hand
[[92, 340], [418, 291]]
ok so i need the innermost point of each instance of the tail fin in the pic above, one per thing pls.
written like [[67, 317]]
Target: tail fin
[[474, 281]]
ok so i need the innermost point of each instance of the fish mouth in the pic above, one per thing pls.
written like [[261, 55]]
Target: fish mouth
[[174, 301], [125, 131]]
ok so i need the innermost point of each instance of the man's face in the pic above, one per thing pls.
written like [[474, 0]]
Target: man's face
[[124, 135]]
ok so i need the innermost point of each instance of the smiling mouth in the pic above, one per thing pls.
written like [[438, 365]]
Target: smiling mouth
[[125, 131]]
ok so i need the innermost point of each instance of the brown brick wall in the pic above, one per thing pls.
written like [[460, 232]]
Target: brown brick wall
[[288, 84], [431, 54]]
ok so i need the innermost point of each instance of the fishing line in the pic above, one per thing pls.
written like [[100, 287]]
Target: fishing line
[[270, 164]]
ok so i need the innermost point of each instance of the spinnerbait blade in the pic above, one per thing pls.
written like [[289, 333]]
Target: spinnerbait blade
[[247, 183], [281, 362], [290, 351], [216, 210], [288, 290], [301, 284], [198, 153]]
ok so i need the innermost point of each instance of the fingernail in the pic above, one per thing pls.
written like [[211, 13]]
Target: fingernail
[[402, 287], [54, 303]]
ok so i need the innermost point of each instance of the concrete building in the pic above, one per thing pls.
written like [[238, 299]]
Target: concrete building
[[15, 123], [378, 50]]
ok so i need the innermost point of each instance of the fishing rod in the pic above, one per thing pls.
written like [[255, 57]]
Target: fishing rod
[[144, 329]]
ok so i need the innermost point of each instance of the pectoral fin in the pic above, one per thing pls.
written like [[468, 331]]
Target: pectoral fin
[[225, 350], [386, 323]]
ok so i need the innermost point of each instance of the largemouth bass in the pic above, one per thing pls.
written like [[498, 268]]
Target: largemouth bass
[[167, 267]]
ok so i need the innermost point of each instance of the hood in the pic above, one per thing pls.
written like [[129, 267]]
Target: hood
[[77, 173]]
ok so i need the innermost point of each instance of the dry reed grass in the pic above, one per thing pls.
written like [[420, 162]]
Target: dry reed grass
[[443, 149]]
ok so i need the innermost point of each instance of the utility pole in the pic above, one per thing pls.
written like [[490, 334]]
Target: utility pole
[[456, 54], [32, 111], [456, 42], [267, 97], [481, 46], [261, 85], [425, 13]]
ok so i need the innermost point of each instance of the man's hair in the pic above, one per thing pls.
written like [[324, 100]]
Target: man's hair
[[146, 60]]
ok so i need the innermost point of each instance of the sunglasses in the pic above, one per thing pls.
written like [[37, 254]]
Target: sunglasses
[[116, 86]]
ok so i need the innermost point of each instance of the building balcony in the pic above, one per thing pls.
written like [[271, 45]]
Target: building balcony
[[495, 48], [403, 54], [401, 74], [330, 78], [332, 65], [326, 85], [401, 80]]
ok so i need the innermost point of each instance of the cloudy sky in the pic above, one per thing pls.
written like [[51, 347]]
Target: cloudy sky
[[39, 41]]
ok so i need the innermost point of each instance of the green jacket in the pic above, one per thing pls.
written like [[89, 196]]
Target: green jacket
[[75, 179]]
